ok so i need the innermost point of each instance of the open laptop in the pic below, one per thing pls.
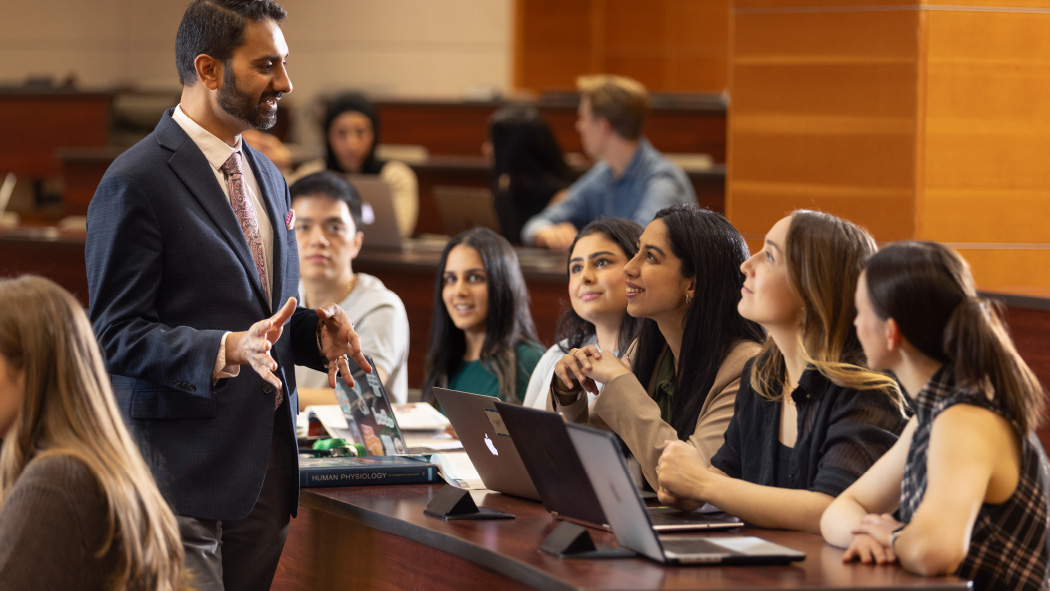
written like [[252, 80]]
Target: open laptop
[[368, 414], [603, 462], [543, 443], [377, 212], [488, 444], [464, 208]]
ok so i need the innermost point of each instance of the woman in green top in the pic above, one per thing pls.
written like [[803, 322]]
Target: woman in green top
[[482, 338]]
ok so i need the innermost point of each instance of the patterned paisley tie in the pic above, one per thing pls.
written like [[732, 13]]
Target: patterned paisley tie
[[245, 210]]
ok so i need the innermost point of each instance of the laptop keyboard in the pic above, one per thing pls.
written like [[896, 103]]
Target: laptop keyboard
[[692, 546], [659, 518]]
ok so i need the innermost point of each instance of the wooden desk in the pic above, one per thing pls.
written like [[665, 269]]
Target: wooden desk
[[82, 170], [36, 123], [452, 127], [378, 538], [474, 171]]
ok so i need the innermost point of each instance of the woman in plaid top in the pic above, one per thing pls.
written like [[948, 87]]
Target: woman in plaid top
[[968, 479]]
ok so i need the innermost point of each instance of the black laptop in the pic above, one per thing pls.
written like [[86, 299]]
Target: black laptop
[[543, 443]]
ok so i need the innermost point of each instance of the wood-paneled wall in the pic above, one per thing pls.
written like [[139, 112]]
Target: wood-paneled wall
[[668, 45], [986, 144], [916, 120]]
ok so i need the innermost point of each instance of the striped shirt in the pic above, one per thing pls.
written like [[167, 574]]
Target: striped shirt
[[1009, 546]]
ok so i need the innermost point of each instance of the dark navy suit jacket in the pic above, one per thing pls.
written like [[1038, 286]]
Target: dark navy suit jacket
[[169, 272]]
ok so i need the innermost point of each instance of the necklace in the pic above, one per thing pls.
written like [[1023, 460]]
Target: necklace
[[350, 285], [786, 390]]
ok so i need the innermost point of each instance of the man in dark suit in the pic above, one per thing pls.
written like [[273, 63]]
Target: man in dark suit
[[191, 261]]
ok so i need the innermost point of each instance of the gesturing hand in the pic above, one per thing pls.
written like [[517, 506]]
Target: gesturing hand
[[338, 340], [253, 346]]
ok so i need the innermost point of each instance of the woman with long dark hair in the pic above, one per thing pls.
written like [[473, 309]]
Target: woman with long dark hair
[[78, 507], [679, 379], [351, 131], [809, 418], [528, 167], [597, 314], [968, 480], [482, 337]]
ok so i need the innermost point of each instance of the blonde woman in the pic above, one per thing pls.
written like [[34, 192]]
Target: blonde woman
[[78, 506], [809, 420]]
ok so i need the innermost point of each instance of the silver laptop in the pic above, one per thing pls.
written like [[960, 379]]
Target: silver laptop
[[603, 462], [377, 212], [548, 454], [487, 442], [465, 208]]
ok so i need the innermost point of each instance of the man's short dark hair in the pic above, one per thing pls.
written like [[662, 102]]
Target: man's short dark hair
[[216, 28], [328, 184]]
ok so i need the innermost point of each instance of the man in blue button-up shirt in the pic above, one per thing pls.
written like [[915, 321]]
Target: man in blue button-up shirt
[[631, 180]]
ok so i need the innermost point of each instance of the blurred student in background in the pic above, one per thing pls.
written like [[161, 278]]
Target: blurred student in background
[[482, 337], [78, 507], [598, 300], [327, 221], [630, 178], [809, 418], [969, 478], [351, 129], [528, 167]]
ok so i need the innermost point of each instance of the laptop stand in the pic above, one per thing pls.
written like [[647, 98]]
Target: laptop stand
[[569, 540], [451, 503]]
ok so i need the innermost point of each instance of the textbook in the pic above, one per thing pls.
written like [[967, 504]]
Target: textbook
[[350, 471]]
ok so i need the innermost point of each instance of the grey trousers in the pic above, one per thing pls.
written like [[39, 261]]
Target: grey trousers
[[243, 554]]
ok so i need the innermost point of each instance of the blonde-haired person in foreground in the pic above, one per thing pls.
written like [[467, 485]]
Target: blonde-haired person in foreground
[[809, 420], [78, 506], [968, 480]]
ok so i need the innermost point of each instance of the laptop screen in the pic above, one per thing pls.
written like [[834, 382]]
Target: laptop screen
[[368, 414]]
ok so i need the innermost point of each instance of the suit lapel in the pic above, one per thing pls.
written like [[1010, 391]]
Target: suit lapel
[[190, 165]]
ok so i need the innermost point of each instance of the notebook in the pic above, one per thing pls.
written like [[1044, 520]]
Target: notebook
[[543, 443], [607, 472], [464, 208], [368, 414], [377, 212], [480, 428]]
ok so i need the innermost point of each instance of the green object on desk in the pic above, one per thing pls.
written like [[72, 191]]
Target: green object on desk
[[336, 447]]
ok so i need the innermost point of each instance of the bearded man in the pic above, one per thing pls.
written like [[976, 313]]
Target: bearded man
[[192, 268]]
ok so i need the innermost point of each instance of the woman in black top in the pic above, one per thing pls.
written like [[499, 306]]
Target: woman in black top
[[968, 480], [808, 419]]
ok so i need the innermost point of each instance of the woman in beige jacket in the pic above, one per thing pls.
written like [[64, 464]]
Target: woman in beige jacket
[[678, 380]]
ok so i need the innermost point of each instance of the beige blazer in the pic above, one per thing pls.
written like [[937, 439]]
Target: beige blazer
[[627, 409]]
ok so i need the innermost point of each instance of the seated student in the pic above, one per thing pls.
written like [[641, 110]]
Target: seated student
[[327, 217], [678, 380], [808, 419], [598, 297], [482, 338], [351, 129], [528, 167], [968, 479], [630, 180], [78, 506]]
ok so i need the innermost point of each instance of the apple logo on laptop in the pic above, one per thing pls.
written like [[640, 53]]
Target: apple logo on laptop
[[491, 446]]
